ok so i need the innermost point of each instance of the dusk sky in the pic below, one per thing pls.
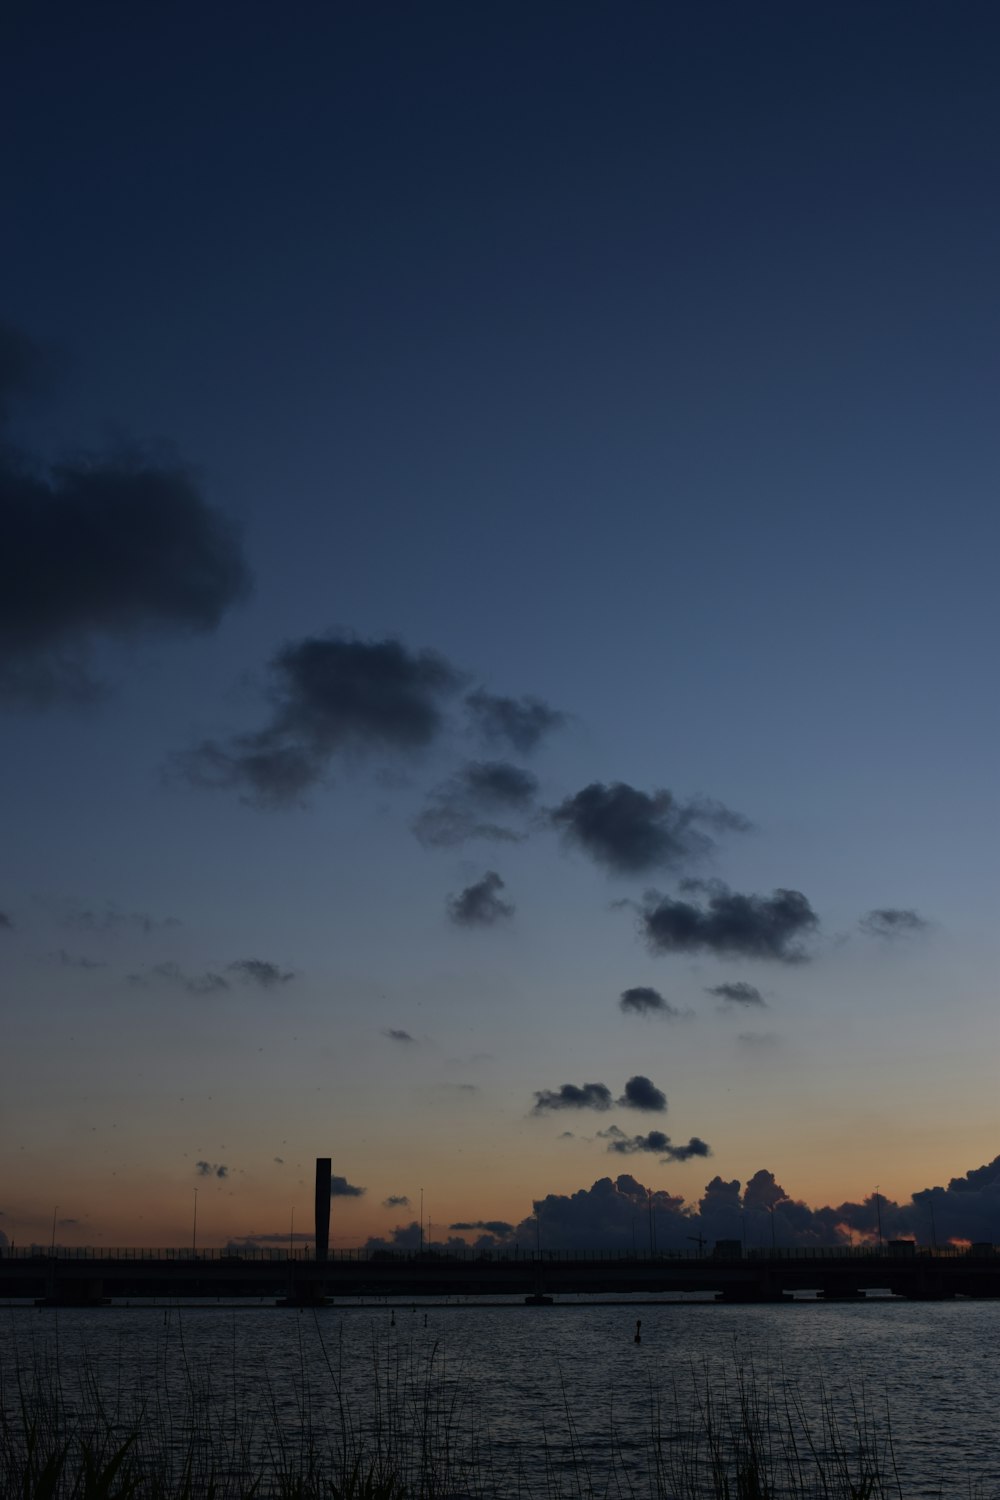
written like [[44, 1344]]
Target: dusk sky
[[498, 613]]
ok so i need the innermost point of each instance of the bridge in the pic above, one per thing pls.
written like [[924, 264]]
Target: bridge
[[89, 1278]]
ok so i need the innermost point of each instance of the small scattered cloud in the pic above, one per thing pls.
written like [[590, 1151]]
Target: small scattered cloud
[[738, 993], [520, 723], [499, 1227], [658, 1144], [397, 1034], [6, 925], [480, 904], [766, 927], [261, 972], [643, 1000], [330, 696], [341, 1188], [631, 832], [396, 1200], [468, 804], [641, 1093], [211, 1169], [572, 1096], [892, 922]]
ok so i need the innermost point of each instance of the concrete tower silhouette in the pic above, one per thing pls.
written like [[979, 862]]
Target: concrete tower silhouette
[[323, 1207]]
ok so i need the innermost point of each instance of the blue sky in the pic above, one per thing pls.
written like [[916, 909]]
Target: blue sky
[[635, 362]]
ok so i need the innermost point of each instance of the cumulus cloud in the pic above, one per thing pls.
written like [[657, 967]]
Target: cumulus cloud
[[260, 971], [96, 549], [642, 1000], [630, 832], [396, 1200], [768, 927], [656, 1143], [892, 922], [330, 696], [467, 806], [520, 723], [397, 1034], [211, 1169], [480, 904], [738, 993], [642, 1093], [624, 1214], [341, 1188], [572, 1096]]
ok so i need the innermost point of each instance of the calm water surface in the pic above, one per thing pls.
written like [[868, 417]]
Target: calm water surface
[[565, 1387]]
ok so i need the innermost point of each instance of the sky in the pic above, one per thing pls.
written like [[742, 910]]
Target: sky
[[498, 619]]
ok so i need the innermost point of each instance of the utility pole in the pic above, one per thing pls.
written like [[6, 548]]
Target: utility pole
[[421, 1221], [194, 1226]]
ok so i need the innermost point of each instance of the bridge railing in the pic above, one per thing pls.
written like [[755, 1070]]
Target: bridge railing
[[267, 1255]]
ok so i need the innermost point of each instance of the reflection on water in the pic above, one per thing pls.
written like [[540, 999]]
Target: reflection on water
[[565, 1386]]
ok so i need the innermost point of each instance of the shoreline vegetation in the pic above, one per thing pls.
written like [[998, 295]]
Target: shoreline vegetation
[[719, 1433]]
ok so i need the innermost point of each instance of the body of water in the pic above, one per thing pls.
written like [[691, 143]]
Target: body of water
[[558, 1397]]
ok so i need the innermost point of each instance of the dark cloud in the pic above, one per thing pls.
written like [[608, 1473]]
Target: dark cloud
[[630, 832], [461, 808], [207, 983], [396, 1200], [738, 993], [892, 921], [6, 925], [396, 1034], [658, 1144], [644, 1001], [260, 971], [330, 695], [104, 549], [572, 1096], [498, 1227], [341, 1188], [751, 926], [480, 904], [211, 1169], [521, 723], [641, 1093]]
